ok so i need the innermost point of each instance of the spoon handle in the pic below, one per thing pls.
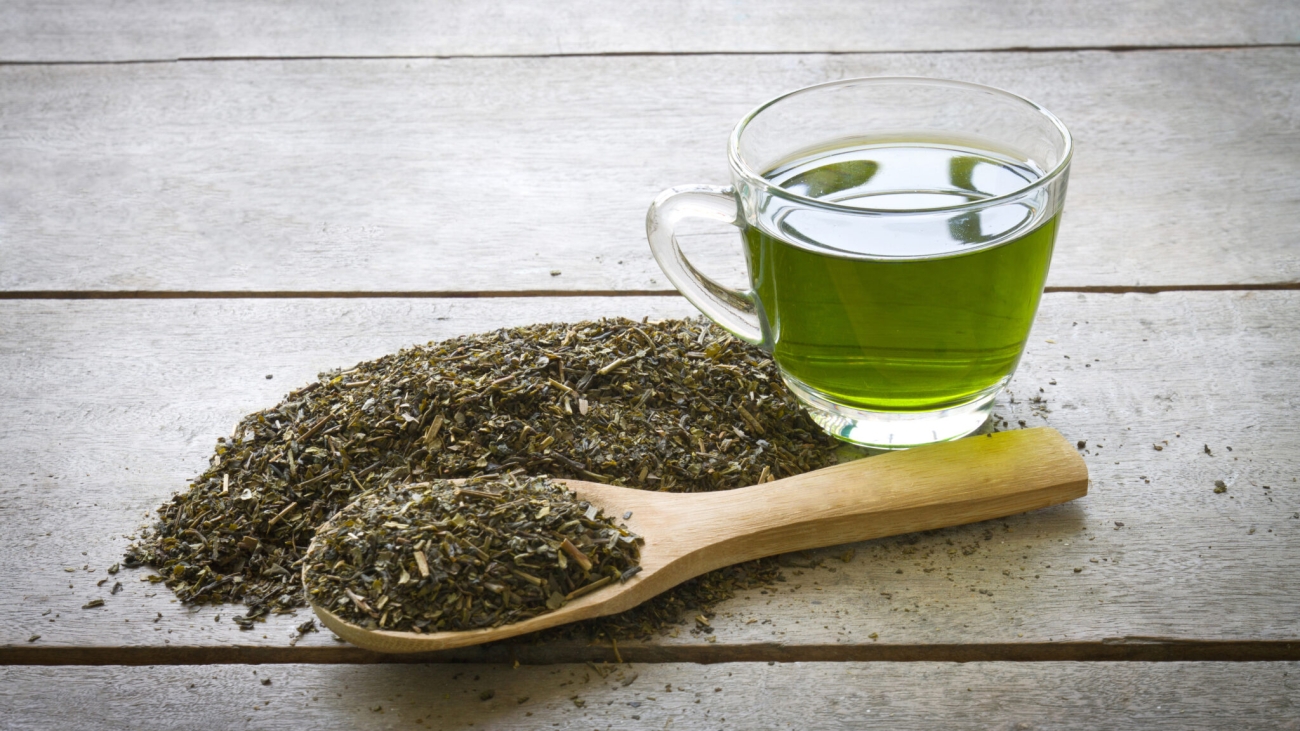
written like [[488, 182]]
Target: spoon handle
[[930, 487]]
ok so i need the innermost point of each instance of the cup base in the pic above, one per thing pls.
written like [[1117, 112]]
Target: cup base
[[895, 429]]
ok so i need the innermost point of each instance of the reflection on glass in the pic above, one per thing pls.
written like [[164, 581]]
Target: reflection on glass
[[965, 227], [828, 180]]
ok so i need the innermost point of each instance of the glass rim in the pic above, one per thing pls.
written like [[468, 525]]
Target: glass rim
[[740, 167]]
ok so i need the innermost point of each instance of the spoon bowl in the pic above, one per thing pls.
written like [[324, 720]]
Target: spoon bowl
[[688, 534]]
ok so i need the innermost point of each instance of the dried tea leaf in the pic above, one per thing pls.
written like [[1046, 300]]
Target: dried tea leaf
[[659, 417], [496, 566]]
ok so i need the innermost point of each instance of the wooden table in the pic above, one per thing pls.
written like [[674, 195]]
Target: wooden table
[[202, 205]]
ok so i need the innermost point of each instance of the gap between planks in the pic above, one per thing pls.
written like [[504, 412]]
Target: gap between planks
[[100, 294], [1120, 649], [538, 293], [1128, 48]]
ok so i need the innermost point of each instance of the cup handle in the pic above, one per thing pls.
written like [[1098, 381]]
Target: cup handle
[[733, 309]]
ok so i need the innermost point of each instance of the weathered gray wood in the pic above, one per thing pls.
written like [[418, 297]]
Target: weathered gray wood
[[1234, 696], [490, 174], [108, 407], [94, 31]]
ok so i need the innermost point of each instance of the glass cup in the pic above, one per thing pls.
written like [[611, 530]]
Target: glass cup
[[898, 233]]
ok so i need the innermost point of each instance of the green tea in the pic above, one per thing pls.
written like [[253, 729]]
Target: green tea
[[438, 556], [667, 406], [903, 324]]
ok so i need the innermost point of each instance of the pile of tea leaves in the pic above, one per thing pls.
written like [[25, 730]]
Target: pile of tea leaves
[[435, 557], [675, 405]]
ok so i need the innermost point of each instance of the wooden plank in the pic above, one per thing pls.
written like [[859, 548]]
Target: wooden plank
[[108, 407], [1235, 696], [490, 174], [137, 30]]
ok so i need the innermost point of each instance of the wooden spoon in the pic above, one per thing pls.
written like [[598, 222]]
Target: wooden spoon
[[686, 535]]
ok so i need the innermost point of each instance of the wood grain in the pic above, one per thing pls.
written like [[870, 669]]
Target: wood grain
[[490, 174], [834, 696], [138, 30], [108, 407]]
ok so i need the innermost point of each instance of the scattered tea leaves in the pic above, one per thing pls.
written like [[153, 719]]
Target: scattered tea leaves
[[665, 415]]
